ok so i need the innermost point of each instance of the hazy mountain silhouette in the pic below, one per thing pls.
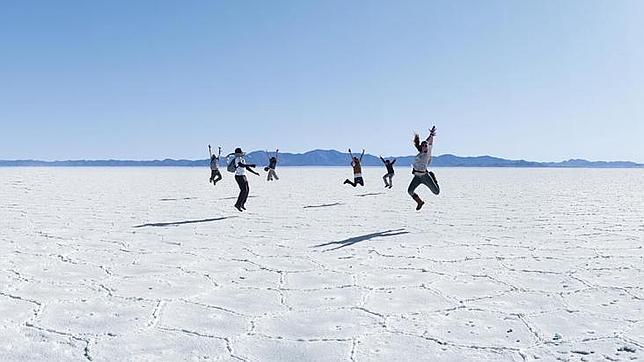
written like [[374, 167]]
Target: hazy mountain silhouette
[[332, 158]]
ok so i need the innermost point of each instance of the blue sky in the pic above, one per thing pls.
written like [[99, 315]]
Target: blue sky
[[538, 80]]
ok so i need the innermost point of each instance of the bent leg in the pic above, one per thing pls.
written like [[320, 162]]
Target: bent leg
[[217, 177], [413, 185], [384, 178], [430, 181]]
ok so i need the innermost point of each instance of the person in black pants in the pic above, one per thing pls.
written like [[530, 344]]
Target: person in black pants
[[240, 177], [356, 164], [215, 175]]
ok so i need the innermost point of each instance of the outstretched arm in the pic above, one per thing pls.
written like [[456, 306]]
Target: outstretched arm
[[432, 133], [362, 154], [392, 162], [219, 154], [382, 159], [246, 166], [350, 154], [276, 152], [210, 151], [249, 168]]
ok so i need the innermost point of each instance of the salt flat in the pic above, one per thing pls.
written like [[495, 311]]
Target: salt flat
[[156, 264]]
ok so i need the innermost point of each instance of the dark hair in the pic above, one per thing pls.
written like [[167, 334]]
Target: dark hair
[[417, 142], [238, 150]]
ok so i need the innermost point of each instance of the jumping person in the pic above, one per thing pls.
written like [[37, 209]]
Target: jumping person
[[390, 172], [272, 163], [214, 166], [357, 170], [421, 175], [240, 176]]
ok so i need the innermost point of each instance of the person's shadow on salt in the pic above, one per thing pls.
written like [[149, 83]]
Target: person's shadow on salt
[[357, 239]]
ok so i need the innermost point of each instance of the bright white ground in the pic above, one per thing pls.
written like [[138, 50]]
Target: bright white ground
[[147, 263]]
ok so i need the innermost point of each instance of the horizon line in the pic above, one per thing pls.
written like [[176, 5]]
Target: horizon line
[[315, 150]]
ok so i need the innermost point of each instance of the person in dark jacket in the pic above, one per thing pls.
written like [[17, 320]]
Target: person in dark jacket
[[272, 163], [389, 164]]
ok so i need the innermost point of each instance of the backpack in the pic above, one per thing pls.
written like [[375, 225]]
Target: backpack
[[231, 166]]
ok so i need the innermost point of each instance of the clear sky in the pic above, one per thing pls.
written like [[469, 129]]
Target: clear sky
[[539, 80]]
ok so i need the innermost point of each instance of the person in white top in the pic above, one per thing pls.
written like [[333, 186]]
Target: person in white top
[[421, 175], [240, 177], [215, 175]]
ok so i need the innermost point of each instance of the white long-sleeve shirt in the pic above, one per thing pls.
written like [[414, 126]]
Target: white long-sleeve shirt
[[422, 160]]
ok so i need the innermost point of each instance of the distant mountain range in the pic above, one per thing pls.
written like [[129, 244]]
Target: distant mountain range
[[331, 158]]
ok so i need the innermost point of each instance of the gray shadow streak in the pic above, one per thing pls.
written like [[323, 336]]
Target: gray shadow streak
[[357, 239], [176, 223], [323, 205], [371, 194]]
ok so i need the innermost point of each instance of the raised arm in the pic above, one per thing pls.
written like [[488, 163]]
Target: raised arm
[[276, 152], [219, 154], [350, 154], [210, 151], [392, 162], [362, 154], [432, 133], [382, 159]]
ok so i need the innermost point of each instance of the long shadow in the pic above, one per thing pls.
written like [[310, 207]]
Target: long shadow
[[370, 194], [183, 198], [357, 239], [323, 205], [235, 197], [175, 223]]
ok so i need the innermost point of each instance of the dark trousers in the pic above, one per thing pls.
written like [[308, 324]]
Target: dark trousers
[[356, 181], [213, 174], [243, 190], [389, 176], [425, 179]]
